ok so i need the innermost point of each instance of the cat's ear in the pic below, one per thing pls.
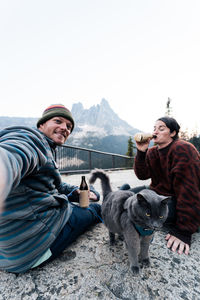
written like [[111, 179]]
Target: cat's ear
[[165, 199], [141, 200]]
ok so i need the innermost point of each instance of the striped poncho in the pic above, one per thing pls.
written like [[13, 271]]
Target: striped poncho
[[36, 207]]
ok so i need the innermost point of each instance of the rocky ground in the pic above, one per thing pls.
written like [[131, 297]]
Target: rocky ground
[[91, 269]]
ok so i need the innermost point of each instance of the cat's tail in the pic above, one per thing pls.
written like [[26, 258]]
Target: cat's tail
[[105, 181]]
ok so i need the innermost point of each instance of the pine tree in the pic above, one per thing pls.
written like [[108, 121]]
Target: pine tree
[[130, 147], [195, 140]]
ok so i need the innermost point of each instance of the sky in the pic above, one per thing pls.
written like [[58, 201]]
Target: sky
[[134, 53]]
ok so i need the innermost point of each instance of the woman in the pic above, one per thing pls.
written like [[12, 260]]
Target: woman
[[173, 165]]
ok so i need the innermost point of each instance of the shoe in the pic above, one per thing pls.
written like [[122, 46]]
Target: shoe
[[125, 186]]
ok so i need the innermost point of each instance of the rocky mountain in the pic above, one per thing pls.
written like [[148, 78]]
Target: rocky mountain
[[98, 127], [100, 116]]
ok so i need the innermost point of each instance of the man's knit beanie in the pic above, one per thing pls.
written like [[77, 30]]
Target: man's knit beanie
[[56, 110]]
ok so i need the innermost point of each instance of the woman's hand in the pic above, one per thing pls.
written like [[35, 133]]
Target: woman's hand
[[143, 146], [175, 244]]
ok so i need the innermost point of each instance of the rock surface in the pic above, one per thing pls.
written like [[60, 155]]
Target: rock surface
[[91, 269]]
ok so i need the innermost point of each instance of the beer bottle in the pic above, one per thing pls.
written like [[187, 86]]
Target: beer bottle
[[84, 193], [142, 137]]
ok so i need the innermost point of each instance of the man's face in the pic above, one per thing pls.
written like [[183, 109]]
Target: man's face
[[57, 129]]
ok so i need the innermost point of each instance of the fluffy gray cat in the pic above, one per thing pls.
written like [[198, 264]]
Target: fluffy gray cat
[[133, 216]]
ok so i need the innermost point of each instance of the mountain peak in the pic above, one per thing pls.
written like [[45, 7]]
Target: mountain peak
[[102, 117], [105, 103], [100, 128]]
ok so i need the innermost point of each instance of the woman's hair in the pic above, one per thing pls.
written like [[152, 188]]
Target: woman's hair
[[172, 124]]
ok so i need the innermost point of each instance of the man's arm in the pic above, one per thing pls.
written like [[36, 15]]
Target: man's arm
[[20, 153], [5, 180]]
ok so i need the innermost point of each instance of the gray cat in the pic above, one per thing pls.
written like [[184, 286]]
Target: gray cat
[[133, 216]]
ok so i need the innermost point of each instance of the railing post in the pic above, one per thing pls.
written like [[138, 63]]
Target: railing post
[[113, 161], [90, 160]]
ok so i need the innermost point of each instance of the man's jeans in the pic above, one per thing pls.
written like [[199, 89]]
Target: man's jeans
[[80, 220]]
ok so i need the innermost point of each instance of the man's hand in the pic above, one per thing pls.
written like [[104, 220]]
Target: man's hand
[[175, 244], [92, 196]]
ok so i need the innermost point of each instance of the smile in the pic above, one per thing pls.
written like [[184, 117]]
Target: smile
[[61, 134]]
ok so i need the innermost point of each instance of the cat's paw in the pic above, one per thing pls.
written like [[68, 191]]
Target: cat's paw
[[112, 238], [112, 243], [121, 237], [145, 263], [135, 270]]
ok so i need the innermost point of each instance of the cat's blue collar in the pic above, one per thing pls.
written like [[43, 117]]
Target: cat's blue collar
[[143, 231]]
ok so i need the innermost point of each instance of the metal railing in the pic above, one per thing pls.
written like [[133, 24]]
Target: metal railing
[[71, 159]]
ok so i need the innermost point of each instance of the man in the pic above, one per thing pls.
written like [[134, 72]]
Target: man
[[173, 165], [37, 220]]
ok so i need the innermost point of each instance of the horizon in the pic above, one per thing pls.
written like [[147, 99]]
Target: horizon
[[190, 133]]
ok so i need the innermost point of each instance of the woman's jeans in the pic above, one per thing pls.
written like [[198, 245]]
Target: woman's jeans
[[171, 202], [80, 220]]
